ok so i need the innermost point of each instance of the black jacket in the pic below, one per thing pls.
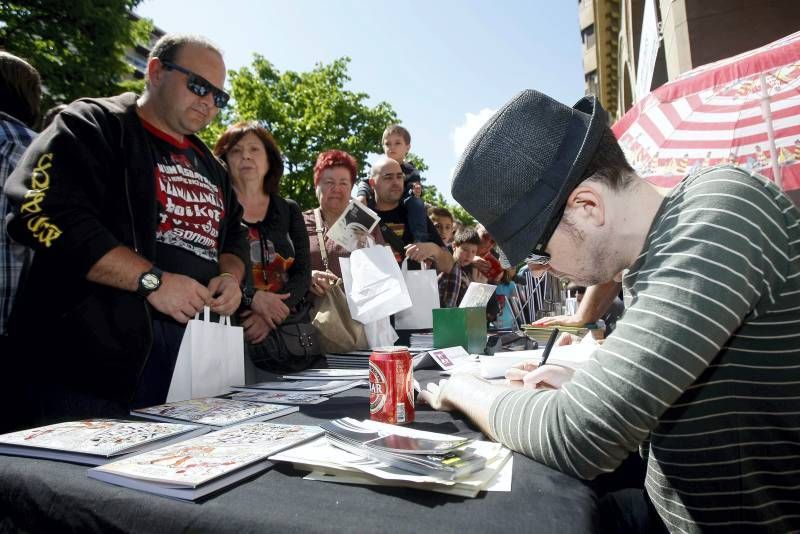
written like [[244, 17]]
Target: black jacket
[[285, 227], [84, 187]]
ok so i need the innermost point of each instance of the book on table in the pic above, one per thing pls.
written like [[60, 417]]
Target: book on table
[[278, 397], [329, 374], [214, 411], [94, 441], [206, 464], [319, 387]]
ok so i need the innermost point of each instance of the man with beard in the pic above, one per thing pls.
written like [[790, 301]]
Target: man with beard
[[701, 373]]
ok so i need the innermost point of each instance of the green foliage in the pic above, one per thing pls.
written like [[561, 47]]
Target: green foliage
[[432, 197], [417, 162], [78, 46], [308, 113]]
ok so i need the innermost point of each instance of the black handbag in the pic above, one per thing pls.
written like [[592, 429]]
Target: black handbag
[[293, 346]]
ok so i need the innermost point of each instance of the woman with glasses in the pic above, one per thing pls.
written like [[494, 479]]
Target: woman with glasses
[[280, 271]]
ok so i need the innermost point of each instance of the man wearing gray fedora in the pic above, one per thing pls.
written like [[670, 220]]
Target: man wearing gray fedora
[[701, 373]]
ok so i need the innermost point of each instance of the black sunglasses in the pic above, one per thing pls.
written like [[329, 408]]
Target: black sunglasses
[[538, 256], [199, 85]]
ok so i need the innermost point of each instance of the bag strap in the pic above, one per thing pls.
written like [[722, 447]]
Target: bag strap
[[321, 238], [390, 237]]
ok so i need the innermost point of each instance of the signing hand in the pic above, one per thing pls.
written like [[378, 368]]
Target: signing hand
[[321, 282], [179, 296], [532, 376], [255, 327], [227, 294], [270, 307]]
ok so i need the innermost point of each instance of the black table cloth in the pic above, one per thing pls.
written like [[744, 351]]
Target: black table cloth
[[49, 496]]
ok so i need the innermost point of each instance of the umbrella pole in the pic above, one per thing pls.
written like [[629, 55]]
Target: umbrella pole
[[766, 112]]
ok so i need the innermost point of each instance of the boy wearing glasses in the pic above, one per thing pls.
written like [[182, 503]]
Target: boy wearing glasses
[[135, 229]]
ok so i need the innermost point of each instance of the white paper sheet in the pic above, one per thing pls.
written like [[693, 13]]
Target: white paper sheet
[[477, 295]]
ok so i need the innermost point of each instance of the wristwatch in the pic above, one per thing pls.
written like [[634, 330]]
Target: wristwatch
[[248, 292], [149, 281]]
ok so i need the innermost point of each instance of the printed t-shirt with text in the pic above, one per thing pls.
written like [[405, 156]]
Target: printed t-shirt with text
[[190, 208]]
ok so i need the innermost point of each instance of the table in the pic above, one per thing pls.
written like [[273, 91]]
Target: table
[[48, 496]]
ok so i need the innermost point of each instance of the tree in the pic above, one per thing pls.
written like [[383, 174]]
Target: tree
[[78, 46], [432, 197], [308, 113]]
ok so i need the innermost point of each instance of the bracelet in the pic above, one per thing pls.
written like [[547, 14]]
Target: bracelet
[[229, 274]]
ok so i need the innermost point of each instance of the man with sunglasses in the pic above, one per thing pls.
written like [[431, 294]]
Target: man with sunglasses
[[702, 371], [135, 228]]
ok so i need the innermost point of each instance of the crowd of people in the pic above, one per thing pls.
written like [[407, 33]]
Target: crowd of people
[[147, 226], [120, 225]]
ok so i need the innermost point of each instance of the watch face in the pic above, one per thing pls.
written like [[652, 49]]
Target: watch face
[[150, 282]]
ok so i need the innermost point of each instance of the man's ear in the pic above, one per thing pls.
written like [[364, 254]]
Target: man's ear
[[154, 71], [372, 182], [586, 202]]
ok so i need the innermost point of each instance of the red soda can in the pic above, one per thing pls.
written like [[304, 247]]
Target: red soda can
[[391, 385]]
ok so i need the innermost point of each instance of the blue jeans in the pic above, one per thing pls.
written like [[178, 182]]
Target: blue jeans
[[417, 217]]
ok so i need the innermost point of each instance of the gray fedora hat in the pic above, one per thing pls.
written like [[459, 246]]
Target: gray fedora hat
[[516, 174]]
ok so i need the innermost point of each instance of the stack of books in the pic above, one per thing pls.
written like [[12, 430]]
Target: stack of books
[[310, 385], [206, 464], [356, 359], [305, 387], [359, 359], [372, 453]]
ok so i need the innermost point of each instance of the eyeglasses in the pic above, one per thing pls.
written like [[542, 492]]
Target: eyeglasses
[[538, 256], [199, 85]]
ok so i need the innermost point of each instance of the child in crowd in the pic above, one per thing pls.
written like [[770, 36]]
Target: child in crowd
[[443, 221], [396, 142], [453, 285]]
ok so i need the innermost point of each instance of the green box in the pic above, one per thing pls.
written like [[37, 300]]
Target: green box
[[460, 326]]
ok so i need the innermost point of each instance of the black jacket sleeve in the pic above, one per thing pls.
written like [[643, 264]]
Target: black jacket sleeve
[[300, 271], [57, 191]]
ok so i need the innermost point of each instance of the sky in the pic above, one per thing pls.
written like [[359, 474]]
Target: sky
[[444, 66]]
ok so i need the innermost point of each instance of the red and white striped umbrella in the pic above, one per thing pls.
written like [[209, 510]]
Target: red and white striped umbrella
[[743, 110]]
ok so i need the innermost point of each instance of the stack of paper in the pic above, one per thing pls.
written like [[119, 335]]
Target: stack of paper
[[94, 441], [573, 356], [334, 464], [421, 341], [206, 464]]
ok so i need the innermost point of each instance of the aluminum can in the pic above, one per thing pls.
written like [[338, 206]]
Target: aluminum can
[[391, 385]]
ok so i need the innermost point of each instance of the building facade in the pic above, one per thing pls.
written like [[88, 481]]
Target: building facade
[[692, 33]]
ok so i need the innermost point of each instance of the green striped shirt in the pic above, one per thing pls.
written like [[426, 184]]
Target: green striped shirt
[[703, 370]]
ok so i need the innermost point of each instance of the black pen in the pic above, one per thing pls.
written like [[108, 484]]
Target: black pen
[[547, 348]]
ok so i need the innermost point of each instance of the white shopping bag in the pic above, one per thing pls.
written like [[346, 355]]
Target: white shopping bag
[[380, 333], [211, 359], [423, 288], [373, 284]]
